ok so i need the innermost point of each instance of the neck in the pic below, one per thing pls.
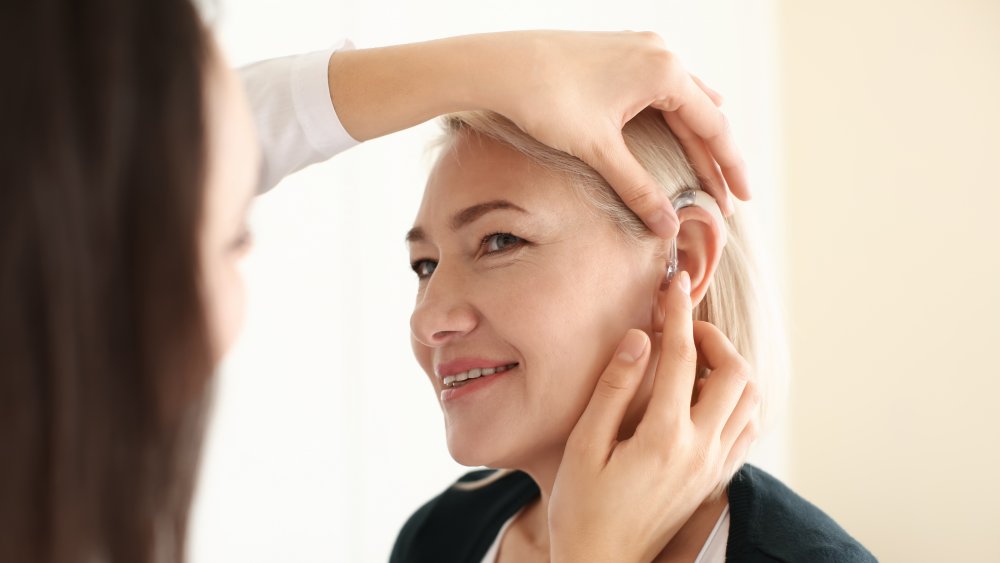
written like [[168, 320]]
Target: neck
[[683, 546]]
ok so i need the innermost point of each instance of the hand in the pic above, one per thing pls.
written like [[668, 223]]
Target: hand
[[574, 91], [624, 500]]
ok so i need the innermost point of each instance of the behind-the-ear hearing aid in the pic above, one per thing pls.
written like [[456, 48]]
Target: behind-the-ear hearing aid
[[703, 200]]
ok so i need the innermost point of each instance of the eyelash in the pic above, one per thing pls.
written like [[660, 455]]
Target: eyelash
[[416, 264]]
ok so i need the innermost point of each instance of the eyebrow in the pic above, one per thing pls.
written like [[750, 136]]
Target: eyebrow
[[466, 216]]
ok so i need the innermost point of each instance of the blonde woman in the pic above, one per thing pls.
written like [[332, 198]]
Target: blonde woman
[[529, 266]]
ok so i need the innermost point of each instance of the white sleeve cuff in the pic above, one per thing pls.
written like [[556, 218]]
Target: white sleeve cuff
[[313, 106], [297, 124]]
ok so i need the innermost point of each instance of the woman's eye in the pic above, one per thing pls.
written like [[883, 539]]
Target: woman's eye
[[499, 242], [424, 268]]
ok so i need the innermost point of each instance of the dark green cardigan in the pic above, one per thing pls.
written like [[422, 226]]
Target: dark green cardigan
[[767, 522]]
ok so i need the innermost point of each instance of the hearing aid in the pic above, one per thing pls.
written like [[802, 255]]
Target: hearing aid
[[690, 198]]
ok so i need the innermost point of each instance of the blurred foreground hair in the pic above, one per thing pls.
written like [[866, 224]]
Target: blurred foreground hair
[[104, 352]]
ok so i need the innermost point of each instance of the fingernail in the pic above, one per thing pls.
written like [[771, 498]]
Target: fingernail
[[632, 346], [684, 282], [664, 223]]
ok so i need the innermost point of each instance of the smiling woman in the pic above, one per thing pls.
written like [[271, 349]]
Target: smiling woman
[[529, 268], [519, 281]]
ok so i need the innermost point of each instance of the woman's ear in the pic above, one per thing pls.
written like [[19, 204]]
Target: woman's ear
[[700, 242]]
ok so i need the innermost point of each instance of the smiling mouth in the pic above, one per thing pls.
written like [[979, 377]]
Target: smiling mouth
[[460, 379]]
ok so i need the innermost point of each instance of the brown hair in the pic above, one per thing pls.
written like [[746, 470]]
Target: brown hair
[[104, 353]]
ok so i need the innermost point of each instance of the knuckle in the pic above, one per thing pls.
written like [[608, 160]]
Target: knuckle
[[639, 197], [611, 385], [663, 57], [650, 37], [742, 371], [667, 454], [756, 396], [723, 127], [686, 351], [724, 123]]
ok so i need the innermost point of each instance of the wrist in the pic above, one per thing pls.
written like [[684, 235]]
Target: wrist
[[383, 90], [492, 69], [379, 91]]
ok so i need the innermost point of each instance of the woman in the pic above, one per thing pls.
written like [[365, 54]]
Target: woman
[[129, 156], [528, 266], [124, 219]]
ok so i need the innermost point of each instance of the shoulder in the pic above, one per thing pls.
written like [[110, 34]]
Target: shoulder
[[770, 522], [461, 523]]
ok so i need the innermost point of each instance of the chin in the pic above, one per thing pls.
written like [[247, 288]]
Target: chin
[[481, 451], [472, 451]]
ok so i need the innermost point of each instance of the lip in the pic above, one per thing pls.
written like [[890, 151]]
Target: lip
[[449, 394], [465, 364]]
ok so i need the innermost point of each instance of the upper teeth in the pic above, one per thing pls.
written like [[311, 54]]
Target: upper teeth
[[474, 373]]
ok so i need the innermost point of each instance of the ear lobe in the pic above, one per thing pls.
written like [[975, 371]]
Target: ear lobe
[[700, 242]]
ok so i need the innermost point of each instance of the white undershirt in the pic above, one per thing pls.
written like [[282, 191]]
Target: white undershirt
[[714, 550]]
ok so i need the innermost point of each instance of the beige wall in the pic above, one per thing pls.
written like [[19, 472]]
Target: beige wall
[[891, 128]]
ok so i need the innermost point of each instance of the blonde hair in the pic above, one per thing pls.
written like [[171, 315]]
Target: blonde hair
[[734, 301]]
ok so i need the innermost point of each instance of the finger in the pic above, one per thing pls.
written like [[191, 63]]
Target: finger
[[702, 161], [634, 185], [699, 384], [716, 97], [696, 109], [725, 385], [675, 372], [597, 429], [741, 449], [746, 411]]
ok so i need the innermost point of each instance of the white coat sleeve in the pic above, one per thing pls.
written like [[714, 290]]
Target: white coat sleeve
[[296, 122]]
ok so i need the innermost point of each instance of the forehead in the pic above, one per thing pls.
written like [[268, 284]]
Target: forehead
[[234, 154], [473, 168]]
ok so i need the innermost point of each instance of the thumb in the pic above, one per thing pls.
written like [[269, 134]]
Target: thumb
[[599, 425], [634, 185]]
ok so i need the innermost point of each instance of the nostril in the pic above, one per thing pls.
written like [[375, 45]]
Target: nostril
[[437, 325], [443, 336]]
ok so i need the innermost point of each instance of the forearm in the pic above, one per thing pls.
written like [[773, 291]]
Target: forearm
[[384, 90]]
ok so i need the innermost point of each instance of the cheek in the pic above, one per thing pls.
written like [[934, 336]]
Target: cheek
[[568, 326], [424, 357]]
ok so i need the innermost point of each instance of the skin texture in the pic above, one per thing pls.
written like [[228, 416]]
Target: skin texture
[[574, 91], [231, 180], [364, 88], [554, 300]]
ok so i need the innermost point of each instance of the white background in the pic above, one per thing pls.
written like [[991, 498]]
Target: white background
[[326, 434]]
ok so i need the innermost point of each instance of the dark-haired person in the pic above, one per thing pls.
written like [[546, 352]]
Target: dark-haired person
[[128, 155]]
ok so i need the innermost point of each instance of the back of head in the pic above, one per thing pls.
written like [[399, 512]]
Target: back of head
[[734, 302], [103, 345]]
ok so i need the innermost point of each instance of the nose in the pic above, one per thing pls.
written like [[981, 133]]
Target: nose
[[443, 311]]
